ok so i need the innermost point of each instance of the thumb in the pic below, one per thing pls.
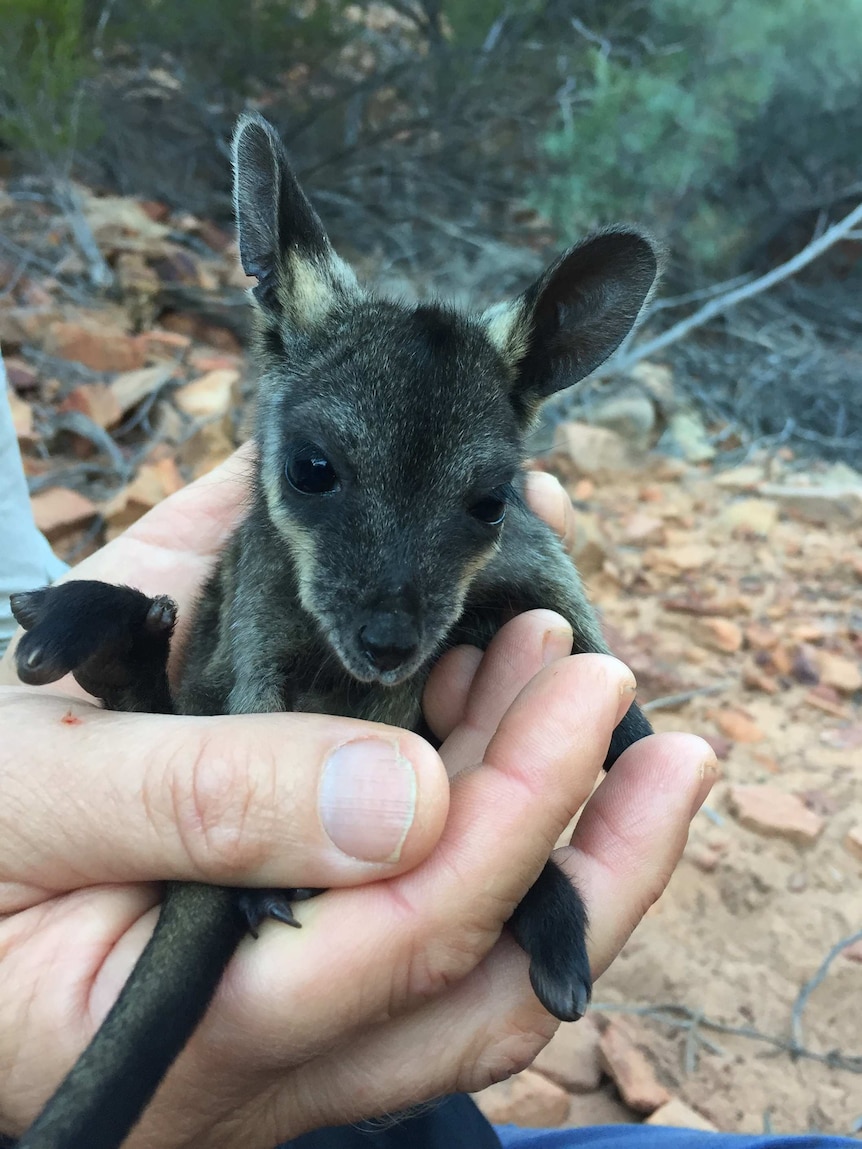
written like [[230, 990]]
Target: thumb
[[265, 800]]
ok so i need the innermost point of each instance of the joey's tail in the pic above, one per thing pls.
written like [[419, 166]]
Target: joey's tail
[[167, 994]]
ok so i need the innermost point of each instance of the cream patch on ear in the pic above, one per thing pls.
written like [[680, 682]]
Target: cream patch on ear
[[311, 289], [506, 327], [306, 293]]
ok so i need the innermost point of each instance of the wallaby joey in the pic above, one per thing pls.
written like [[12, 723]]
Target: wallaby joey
[[387, 524]]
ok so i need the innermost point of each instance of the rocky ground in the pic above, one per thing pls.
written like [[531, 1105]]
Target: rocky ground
[[735, 593]]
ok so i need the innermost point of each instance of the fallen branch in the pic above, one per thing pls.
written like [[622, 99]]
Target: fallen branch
[[670, 701], [692, 1021], [621, 363]]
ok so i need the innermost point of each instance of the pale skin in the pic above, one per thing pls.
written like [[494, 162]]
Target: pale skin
[[400, 987]]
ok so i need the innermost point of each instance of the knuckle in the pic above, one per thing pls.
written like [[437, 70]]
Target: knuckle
[[223, 804]]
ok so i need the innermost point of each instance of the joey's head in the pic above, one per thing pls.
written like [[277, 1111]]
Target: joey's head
[[391, 435]]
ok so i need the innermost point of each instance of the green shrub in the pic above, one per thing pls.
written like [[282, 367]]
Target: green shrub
[[44, 65], [658, 134]]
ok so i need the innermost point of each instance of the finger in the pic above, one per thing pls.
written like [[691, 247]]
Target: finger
[[490, 1024], [482, 1030], [263, 800], [465, 687], [548, 499], [632, 833], [445, 696], [435, 924], [515, 655]]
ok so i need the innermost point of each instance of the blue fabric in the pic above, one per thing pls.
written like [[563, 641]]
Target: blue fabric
[[28, 561], [659, 1137]]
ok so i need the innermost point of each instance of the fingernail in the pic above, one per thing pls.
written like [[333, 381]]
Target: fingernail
[[367, 799], [556, 643], [628, 690], [709, 773]]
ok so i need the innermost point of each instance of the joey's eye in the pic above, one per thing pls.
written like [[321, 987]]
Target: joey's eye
[[309, 471], [491, 509]]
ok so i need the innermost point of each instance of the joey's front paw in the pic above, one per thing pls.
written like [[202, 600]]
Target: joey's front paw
[[550, 925]]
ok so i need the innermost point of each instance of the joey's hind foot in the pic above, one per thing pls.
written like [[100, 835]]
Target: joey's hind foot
[[550, 925], [258, 905], [633, 726], [113, 639]]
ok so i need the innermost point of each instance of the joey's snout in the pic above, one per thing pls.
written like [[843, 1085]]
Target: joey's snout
[[389, 639]]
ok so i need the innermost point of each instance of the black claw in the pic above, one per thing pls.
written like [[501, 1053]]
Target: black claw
[[258, 905], [27, 606], [162, 615]]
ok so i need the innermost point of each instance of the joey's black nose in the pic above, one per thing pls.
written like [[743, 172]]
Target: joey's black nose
[[389, 639]]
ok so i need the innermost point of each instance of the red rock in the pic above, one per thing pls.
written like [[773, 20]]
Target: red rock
[[95, 400], [750, 516], [214, 237], [132, 386], [690, 556], [702, 856], [760, 637], [601, 1107], [164, 344], [210, 445], [595, 451], [719, 634], [198, 329], [589, 548], [755, 679], [775, 813], [96, 346], [826, 698], [781, 661], [20, 374], [853, 952], [155, 210], [202, 361], [153, 482], [209, 396], [528, 1099], [571, 1058], [630, 1071], [721, 746], [641, 529], [651, 494], [840, 672], [736, 725], [678, 1115], [61, 509]]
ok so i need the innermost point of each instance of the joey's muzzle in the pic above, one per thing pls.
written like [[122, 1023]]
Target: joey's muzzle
[[388, 639]]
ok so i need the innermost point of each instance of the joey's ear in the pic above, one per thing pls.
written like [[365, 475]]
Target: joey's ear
[[575, 315], [281, 239]]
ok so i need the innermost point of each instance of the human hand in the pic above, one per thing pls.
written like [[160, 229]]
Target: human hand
[[251, 1066]]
